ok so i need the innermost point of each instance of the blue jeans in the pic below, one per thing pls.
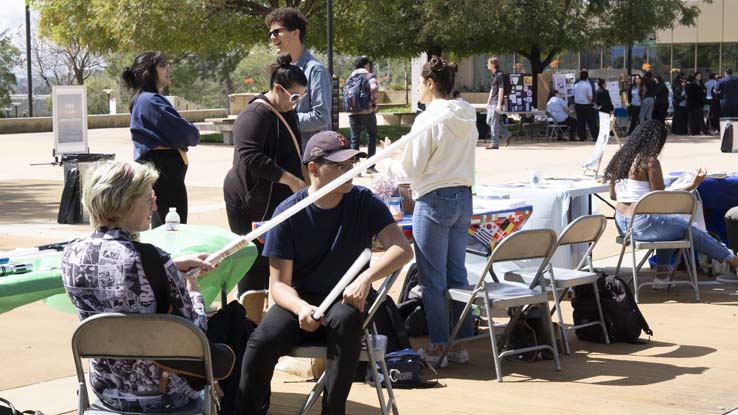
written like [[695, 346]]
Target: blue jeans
[[441, 221], [496, 128], [652, 228], [368, 122]]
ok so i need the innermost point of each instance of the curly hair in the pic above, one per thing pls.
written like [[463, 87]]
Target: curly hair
[[644, 144]]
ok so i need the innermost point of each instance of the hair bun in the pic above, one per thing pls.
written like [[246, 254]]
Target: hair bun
[[284, 60], [453, 67], [436, 64]]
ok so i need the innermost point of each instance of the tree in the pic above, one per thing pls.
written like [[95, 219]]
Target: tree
[[9, 59]]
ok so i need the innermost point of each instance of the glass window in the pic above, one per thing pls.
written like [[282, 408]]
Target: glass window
[[708, 58], [730, 57], [591, 58], [565, 62], [614, 57], [683, 58], [661, 60]]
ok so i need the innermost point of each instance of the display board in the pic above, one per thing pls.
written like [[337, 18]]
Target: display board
[[564, 83], [69, 103], [519, 92], [613, 87]]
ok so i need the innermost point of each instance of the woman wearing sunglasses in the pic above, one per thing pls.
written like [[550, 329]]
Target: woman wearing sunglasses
[[266, 161], [160, 135]]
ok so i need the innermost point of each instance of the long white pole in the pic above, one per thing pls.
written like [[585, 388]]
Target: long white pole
[[236, 245], [349, 276]]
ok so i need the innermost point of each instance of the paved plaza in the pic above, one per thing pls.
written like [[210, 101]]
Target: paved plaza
[[689, 366]]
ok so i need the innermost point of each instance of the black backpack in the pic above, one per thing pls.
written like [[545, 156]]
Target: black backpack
[[70, 207], [357, 94], [726, 145], [389, 322], [623, 319], [411, 305]]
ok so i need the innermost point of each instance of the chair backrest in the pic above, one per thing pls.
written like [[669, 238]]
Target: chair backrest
[[140, 336], [584, 229], [381, 295], [524, 244], [666, 202]]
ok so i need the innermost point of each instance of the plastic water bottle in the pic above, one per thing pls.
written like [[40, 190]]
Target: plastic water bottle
[[171, 221]]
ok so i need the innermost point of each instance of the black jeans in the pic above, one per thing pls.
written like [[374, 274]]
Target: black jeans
[[729, 110], [634, 112], [360, 122], [571, 123], [279, 333], [257, 277], [170, 189], [586, 117]]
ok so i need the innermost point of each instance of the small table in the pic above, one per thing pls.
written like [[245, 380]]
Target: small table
[[45, 282], [556, 203]]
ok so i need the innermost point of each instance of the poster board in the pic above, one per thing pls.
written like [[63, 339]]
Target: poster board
[[69, 103], [613, 87], [564, 83], [519, 91]]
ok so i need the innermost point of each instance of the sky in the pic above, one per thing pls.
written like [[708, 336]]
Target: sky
[[12, 15]]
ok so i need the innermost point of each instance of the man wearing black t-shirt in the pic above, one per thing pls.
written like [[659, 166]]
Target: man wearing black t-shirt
[[308, 254]]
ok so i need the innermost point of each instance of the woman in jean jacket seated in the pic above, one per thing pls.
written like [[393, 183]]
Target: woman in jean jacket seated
[[635, 171], [103, 273]]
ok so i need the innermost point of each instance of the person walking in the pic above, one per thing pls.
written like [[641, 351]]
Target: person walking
[[494, 105], [363, 118], [634, 99], [160, 135], [649, 96]]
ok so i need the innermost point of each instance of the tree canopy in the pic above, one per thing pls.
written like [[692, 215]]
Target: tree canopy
[[9, 57]]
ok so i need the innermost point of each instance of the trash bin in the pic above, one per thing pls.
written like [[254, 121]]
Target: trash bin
[[75, 169], [729, 144]]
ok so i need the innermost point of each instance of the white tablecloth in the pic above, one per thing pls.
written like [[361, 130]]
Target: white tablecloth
[[555, 203]]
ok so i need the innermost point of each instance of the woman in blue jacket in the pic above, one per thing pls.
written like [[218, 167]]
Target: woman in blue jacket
[[160, 135]]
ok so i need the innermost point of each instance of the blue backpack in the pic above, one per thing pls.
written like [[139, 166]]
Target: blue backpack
[[357, 94]]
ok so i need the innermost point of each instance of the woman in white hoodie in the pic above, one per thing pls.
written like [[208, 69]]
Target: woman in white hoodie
[[440, 166]]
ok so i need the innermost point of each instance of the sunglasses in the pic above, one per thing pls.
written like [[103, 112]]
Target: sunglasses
[[276, 32], [294, 98]]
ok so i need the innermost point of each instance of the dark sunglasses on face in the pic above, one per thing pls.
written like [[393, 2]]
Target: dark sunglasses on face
[[276, 32], [294, 98]]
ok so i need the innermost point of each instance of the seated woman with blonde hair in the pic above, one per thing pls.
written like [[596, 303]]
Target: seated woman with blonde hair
[[105, 273]]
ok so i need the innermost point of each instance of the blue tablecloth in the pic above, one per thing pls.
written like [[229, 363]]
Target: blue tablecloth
[[718, 196]]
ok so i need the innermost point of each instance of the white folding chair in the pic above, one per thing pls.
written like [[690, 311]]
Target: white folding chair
[[370, 353], [495, 295], [584, 230], [141, 336], [553, 128], [661, 202]]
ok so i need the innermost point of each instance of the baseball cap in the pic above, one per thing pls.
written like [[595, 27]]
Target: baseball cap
[[329, 145]]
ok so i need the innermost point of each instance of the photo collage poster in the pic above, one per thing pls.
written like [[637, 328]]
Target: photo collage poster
[[564, 83], [519, 92]]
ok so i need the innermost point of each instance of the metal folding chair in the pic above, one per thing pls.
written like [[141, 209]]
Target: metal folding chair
[[521, 245], [141, 336], [661, 202], [370, 353], [584, 230], [553, 128]]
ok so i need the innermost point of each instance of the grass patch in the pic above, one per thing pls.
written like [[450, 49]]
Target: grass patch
[[213, 137], [407, 108], [392, 131]]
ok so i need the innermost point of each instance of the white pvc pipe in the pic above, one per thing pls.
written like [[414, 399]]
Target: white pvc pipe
[[236, 245], [349, 276]]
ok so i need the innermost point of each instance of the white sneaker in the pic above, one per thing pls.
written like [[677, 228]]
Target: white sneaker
[[460, 356], [727, 278], [660, 283], [432, 358]]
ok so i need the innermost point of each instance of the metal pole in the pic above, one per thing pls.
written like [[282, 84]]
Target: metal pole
[[334, 78], [28, 59], [329, 12]]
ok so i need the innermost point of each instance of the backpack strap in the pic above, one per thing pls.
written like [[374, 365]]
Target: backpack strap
[[153, 267], [285, 123]]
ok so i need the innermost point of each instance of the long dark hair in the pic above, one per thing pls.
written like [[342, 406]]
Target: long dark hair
[[441, 72], [286, 74], [643, 145], [141, 75]]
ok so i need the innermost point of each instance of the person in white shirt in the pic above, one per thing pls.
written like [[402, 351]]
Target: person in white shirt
[[583, 96], [557, 107], [440, 166]]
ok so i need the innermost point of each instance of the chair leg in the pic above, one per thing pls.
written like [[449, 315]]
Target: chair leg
[[620, 259], [693, 264], [375, 373], [557, 304], [312, 396], [636, 287], [599, 310], [457, 327], [557, 362], [492, 337], [391, 402]]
